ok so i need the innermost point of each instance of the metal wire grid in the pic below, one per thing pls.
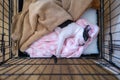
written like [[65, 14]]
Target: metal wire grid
[[110, 31], [15, 68], [6, 10]]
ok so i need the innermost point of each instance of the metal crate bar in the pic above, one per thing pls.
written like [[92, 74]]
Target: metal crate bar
[[6, 19]]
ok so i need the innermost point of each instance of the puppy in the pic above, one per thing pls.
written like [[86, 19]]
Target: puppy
[[75, 30]]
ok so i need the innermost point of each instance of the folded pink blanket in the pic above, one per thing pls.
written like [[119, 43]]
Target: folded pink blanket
[[47, 45]]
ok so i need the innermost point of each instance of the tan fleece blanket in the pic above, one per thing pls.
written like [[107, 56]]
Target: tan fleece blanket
[[40, 17]]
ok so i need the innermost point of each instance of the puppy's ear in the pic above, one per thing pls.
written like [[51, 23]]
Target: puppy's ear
[[86, 32]]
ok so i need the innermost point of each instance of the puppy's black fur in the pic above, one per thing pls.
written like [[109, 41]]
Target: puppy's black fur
[[85, 33], [67, 22]]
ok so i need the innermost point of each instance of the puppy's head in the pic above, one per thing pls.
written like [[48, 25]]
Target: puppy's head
[[83, 34]]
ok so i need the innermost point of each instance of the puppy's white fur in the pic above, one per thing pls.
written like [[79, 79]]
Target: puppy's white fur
[[72, 29]]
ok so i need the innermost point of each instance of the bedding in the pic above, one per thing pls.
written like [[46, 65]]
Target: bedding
[[47, 45]]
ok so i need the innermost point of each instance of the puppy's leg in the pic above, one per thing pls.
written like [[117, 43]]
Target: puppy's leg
[[60, 45], [76, 39], [79, 40], [63, 35]]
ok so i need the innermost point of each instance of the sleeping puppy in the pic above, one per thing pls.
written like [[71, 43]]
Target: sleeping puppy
[[81, 35]]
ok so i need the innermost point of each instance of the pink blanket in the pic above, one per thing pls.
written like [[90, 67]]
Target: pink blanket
[[47, 45]]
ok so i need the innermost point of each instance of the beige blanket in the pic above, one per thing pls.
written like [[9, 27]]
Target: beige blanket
[[40, 17]]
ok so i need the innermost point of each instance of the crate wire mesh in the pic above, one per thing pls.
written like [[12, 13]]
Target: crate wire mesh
[[84, 68], [111, 26], [5, 24]]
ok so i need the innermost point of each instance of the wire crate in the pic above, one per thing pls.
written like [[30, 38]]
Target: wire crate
[[104, 66]]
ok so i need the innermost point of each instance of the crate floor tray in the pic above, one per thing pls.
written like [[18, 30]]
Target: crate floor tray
[[46, 69]]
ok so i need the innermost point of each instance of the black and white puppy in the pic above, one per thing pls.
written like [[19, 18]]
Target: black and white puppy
[[81, 35]]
